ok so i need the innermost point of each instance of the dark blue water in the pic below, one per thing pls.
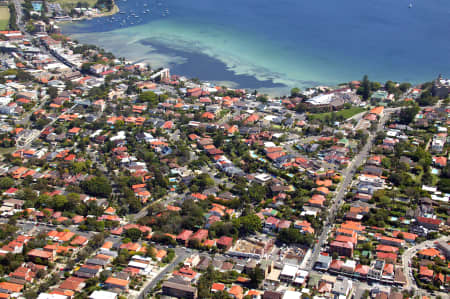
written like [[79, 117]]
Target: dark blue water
[[288, 42]]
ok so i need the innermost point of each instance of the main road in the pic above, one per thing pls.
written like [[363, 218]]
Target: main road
[[18, 7]]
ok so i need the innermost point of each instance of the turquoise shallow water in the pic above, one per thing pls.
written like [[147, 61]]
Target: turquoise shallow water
[[271, 44]]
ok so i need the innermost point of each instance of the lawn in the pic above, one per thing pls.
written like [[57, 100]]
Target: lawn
[[69, 4], [6, 150], [346, 113], [4, 18]]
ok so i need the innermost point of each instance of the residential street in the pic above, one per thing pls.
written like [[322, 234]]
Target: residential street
[[181, 255], [342, 189], [407, 258], [48, 125]]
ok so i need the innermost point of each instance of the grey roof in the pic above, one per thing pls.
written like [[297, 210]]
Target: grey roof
[[88, 270], [95, 261], [84, 274], [178, 280], [204, 263], [324, 259], [341, 287], [178, 286]]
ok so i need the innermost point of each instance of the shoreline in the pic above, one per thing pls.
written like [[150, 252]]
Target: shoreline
[[325, 69], [113, 11], [273, 88]]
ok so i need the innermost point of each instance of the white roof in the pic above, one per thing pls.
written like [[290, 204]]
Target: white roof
[[350, 264], [141, 258], [137, 265], [263, 177], [322, 99], [292, 295], [429, 189], [270, 117], [278, 135], [120, 135], [51, 296], [289, 270], [103, 295], [392, 133], [269, 144], [302, 273], [439, 198]]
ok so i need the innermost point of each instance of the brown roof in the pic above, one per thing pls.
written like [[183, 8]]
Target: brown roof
[[178, 286], [184, 235], [117, 281], [272, 295], [40, 253], [11, 287], [72, 283]]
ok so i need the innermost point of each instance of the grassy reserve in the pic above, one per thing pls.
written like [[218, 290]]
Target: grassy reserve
[[346, 113], [4, 18], [69, 4]]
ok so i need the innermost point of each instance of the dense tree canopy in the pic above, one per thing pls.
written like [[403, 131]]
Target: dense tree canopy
[[407, 115], [248, 224], [149, 97], [294, 236], [97, 186], [364, 89], [427, 99]]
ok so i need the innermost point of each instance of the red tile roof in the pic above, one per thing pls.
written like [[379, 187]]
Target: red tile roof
[[185, 235], [117, 281]]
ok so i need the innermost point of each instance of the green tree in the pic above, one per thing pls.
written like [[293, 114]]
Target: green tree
[[205, 282], [52, 92], [203, 181], [6, 183], [404, 86], [364, 89], [248, 225], [386, 162], [294, 236], [149, 97], [97, 186], [86, 67], [444, 185], [262, 98], [407, 115], [295, 91], [256, 277], [427, 178], [134, 234], [426, 99]]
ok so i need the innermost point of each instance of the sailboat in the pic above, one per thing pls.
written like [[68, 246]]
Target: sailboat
[[410, 5]]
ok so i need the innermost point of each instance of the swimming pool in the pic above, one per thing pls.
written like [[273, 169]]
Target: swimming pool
[[37, 6]]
